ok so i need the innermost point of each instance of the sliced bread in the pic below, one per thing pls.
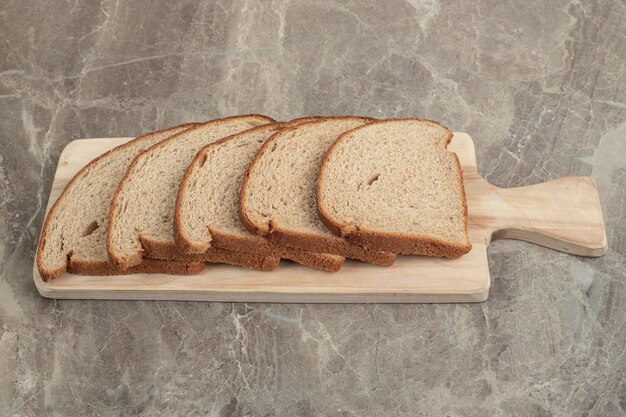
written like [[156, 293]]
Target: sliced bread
[[74, 233], [142, 211], [393, 185], [207, 208], [277, 196]]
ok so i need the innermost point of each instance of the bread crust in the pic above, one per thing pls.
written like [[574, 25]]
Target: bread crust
[[165, 250], [306, 119], [250, 244], [315, 243], [300, 240], [124, 261], [413, 244], [47, 273], [323, 261], [260, 245], [147, 266], [408, 244]]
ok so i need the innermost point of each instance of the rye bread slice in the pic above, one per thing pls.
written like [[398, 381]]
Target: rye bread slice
[[207, 207], [73, 236], [277, 196], [142, 210], [393, 185]]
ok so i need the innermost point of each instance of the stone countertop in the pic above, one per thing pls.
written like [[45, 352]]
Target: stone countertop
[[541, 87]]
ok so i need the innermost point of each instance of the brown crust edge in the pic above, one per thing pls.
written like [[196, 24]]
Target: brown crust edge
[[128, 260], [260, 245], [395, 242], [322, 261], [47, 274], [409, 244], [248, 244], [316, 243], [167, 251], [147, 266]]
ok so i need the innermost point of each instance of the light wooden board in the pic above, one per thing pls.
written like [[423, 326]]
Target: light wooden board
[[563, 214]]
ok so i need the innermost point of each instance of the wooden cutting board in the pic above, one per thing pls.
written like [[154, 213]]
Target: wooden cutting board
[[564, 215]]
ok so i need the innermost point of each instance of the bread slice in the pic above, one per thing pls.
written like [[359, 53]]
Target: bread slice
[[393, 185], [207, 208], [74, 232], [278, 191], [142, 210]]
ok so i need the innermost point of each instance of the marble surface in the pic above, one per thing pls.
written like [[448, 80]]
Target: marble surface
[[541, 86]]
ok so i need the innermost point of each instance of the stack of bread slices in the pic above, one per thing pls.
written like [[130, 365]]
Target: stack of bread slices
[[249, 191]]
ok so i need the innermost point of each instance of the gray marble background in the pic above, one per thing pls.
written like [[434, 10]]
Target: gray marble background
[[541, 87]]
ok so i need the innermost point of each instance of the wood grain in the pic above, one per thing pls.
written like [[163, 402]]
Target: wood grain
[[563, 214]]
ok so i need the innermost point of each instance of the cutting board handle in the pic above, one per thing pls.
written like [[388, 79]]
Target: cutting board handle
[[563, 214]]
